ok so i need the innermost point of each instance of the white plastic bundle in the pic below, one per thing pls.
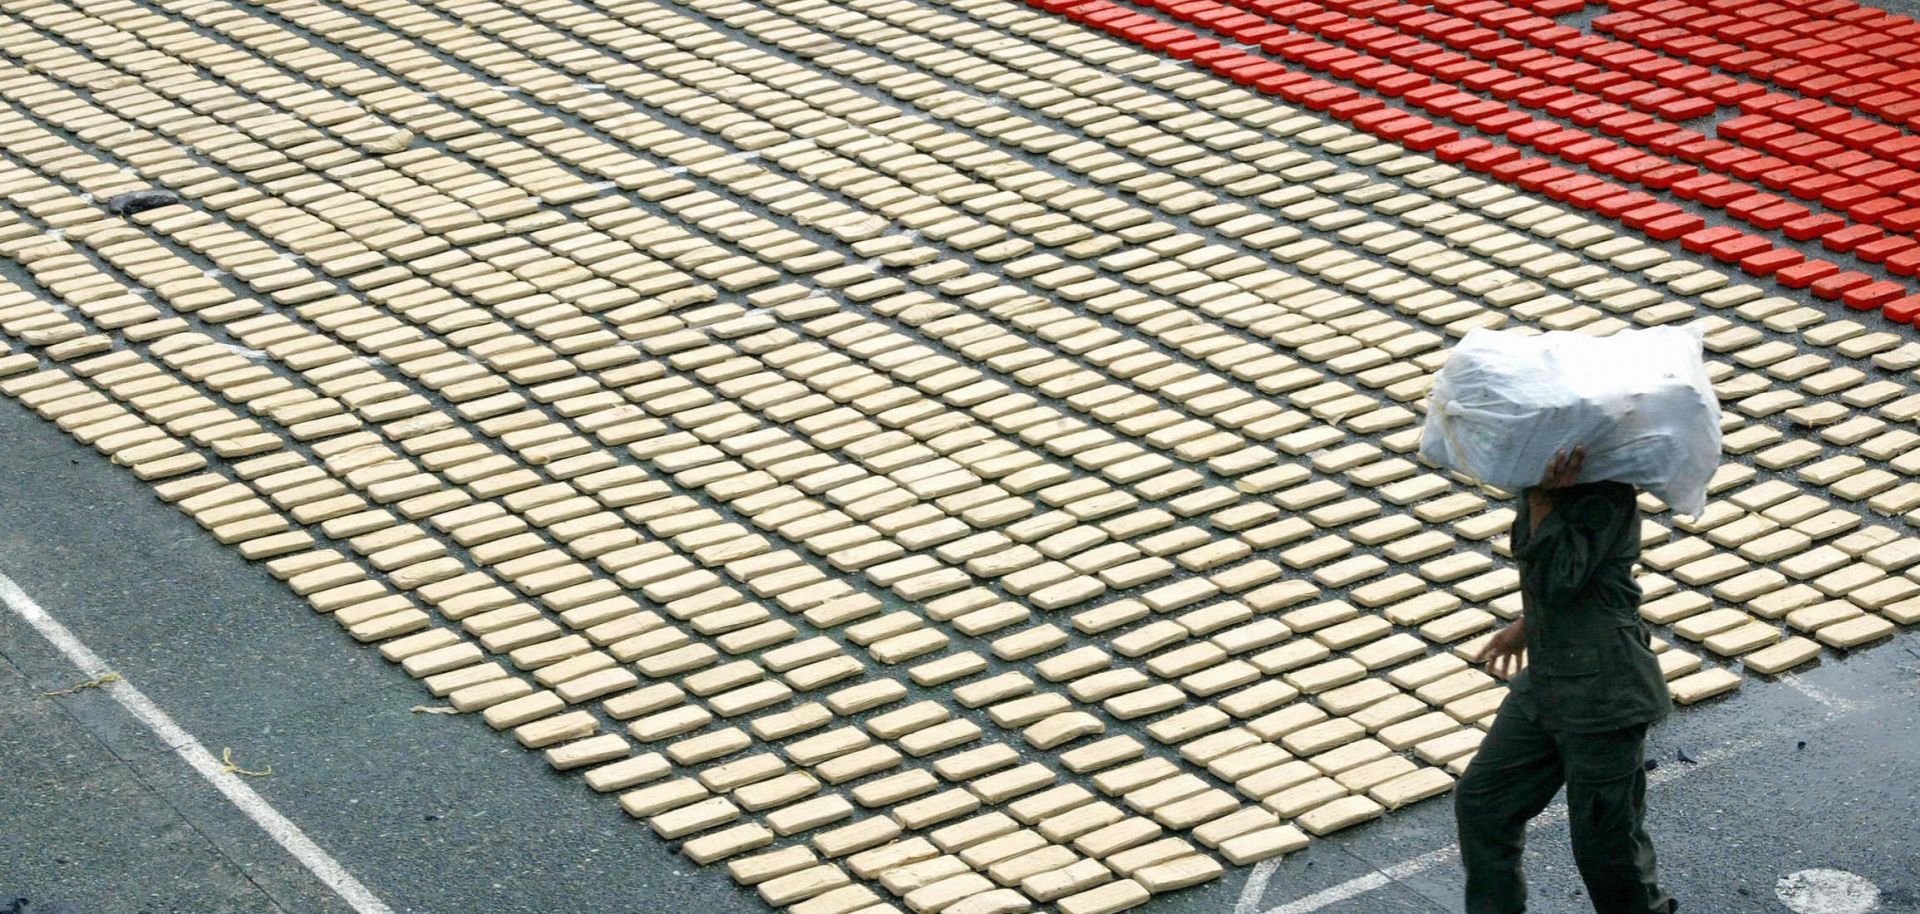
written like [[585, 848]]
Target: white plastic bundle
[[1638, 401]]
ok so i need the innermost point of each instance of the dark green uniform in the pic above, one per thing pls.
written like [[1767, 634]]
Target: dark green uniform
[[1577, 715]]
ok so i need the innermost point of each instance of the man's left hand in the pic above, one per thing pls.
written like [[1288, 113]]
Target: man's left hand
[[1502, 653]]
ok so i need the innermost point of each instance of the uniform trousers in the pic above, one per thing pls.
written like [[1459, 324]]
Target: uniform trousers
[[1519, 768]]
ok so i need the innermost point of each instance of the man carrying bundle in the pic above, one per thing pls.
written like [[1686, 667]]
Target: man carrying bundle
[[1579, 713], [1607, 417]]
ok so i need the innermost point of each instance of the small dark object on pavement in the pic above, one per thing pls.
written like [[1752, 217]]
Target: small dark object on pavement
[[26, 906], [1681, 755], [140, 201]]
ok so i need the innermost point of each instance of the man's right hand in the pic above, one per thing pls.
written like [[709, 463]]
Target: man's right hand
[[1502, 654]]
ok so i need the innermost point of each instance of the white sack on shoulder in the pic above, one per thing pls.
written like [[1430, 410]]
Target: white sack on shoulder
[[1638, 401]]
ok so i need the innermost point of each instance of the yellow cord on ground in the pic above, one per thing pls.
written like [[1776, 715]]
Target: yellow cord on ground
[[226, 758], [93, 683], [435, 709]]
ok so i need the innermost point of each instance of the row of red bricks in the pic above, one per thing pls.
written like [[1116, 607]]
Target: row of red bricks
[[1859, 58], [1884, 81], [1831, 153], [1617, 72], [1531, 49], [1859, 199], [1406, 67], [1637, 210]]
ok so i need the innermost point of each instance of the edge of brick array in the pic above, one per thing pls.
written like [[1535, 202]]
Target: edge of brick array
[[1658, 221]]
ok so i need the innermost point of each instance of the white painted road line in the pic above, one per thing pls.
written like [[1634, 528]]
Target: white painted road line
[[1255, 886], [278, 827], [1378, 879], [1257, 880], [1834, 703]]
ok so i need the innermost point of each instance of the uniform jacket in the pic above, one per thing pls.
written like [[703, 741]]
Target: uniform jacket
[[1589, 664]]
